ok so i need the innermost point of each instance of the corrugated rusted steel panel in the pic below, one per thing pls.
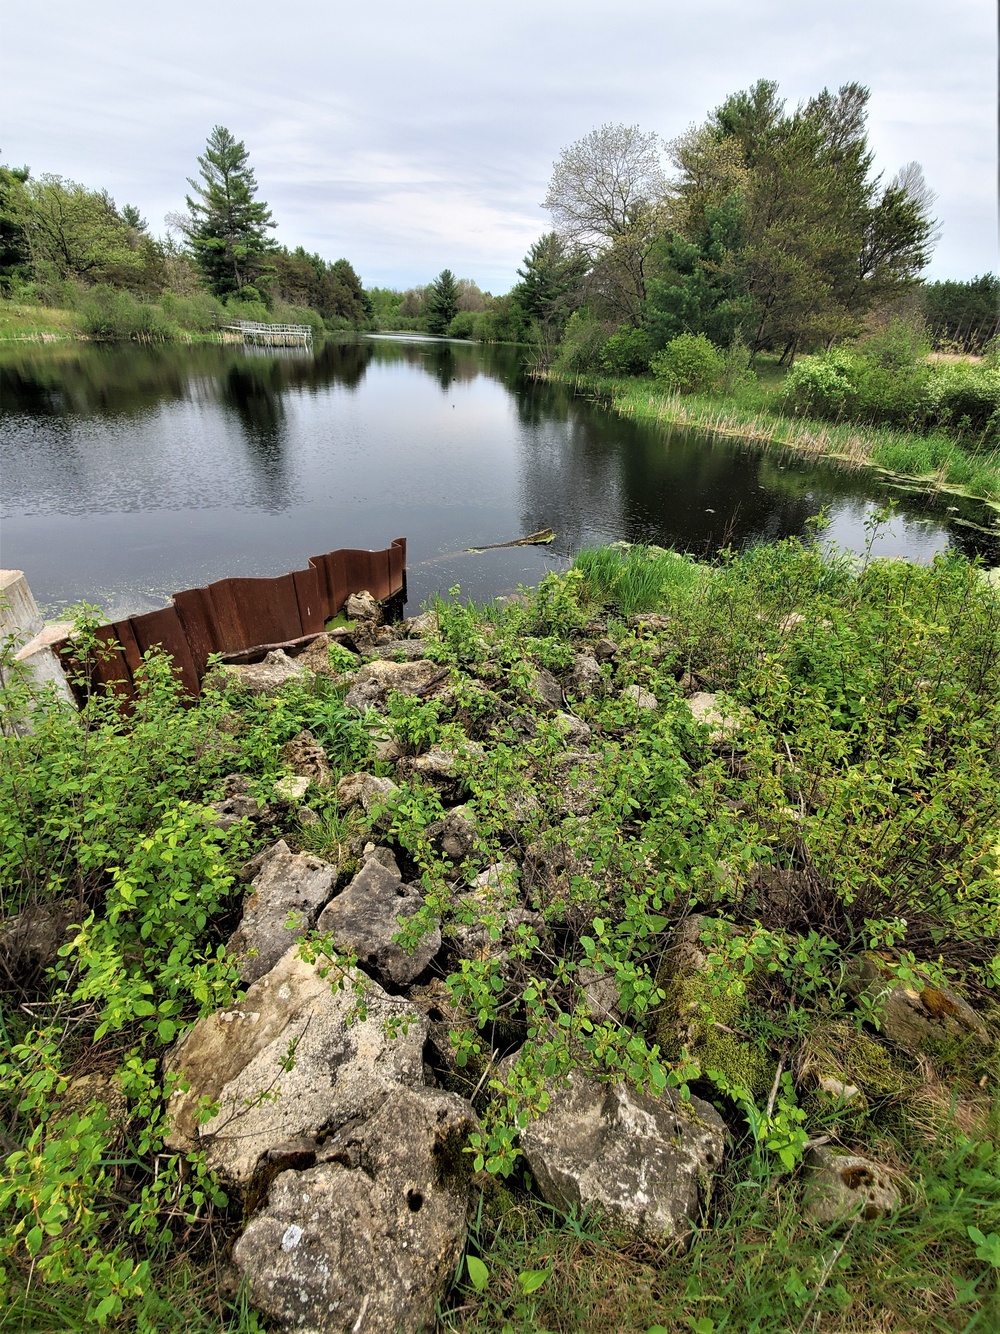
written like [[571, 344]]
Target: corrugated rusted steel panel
[[339, 584], [397, 564], [228, 629], [197, 614], [233, 615], [164, 628], [267, 609], [110, 665], [312, 602]]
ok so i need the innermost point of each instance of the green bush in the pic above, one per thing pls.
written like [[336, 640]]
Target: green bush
[[689, 363], [198, 312], [464, 324], [626, 352], [582, 345], [108, 313]]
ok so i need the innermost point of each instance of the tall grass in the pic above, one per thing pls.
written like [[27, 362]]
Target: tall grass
[[638, 578], [752, 413]]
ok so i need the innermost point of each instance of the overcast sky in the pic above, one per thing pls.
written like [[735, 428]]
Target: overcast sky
[[411, 135]]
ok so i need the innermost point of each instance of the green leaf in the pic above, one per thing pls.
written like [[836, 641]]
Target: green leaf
[[479, 1275], [532, 1279], [165, 1030]]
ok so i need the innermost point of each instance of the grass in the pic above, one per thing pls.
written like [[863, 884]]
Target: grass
[[753, 412], [36, 324]]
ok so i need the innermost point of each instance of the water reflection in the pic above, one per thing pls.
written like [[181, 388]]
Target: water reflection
[[142, 470]]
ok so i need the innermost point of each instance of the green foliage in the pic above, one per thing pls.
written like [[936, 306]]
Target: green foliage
[[228, 226], [582, 344], [963, 316], [109, 313], [442, 302], [873, 384], [626, 352], [688, 364]]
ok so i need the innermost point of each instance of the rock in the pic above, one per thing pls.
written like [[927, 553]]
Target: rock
[[288, 892], [574, 729], [293, 1059], [365, 790], [585, 677], [455, 835], [913, 1016], [362, 607], [30, 942], [406, 650], [547, 688], [384, 856], [643, 1159], [724, 721], [420, 627], [97, 1087], [375, 680], [307, 759], [236, 785], [370, 912], [290, 789], [268, 677], [231, 810], [440, 764], [368, 1239], [576, 779], [841, 1186], [605, 650], [307, 816], [642, 699], [600, 996]]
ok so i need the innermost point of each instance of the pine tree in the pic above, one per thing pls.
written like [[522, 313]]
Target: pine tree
[[442, 302], [227, 226]]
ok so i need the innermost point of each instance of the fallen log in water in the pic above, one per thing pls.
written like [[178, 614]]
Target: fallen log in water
[[540, 539]]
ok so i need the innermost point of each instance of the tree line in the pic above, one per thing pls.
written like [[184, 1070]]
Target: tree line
[[764, 226]]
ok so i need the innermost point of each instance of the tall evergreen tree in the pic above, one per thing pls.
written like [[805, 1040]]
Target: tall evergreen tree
[[227, 226], [442, 302]]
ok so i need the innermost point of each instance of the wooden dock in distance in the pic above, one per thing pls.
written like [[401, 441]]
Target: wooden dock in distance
[[271, 335]]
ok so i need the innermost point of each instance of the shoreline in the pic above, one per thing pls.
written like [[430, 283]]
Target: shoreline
[[846, 444]]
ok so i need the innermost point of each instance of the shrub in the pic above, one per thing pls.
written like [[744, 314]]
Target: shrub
[[582, 344], [115, 315], [689, 363], [626, 352], [464, 324]]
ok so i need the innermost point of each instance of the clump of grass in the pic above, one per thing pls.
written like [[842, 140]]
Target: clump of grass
[[638, 578]]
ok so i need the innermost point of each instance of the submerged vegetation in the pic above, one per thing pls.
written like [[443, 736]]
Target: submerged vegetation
[[836, 811]]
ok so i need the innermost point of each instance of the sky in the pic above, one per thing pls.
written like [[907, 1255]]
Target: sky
[[413, 135]]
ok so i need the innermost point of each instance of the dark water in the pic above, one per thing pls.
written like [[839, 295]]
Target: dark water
[[129, 473]]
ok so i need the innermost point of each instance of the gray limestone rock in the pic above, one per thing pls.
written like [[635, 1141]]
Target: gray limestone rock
[[841, 1186], [455, 834], [642, 699], [370, 913], [375, 680], [545, 686], [362, 607], [420, 627], [369, 1238], [306, 758], [643, 1159], [268, 677], [574, 729], [406, 650], [585, 676], [293, 1059], [288, 892], [913, 1016], [725, 720]]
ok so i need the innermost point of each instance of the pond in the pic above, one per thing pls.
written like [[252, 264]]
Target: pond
[[129, 473]]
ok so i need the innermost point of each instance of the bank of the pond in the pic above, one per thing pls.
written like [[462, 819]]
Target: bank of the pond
[[936, 461]]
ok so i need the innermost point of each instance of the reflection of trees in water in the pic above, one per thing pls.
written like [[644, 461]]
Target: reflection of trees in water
[[253, 392], [593, 475]]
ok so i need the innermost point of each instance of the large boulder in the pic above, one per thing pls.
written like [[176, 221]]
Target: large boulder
[[370, 913], [643, 1159], [375, 680], [370, 1237], [312, 1047], [585, 676], [288, 892]]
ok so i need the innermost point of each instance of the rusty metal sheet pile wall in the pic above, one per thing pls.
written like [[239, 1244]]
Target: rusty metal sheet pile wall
[[236, 614]]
